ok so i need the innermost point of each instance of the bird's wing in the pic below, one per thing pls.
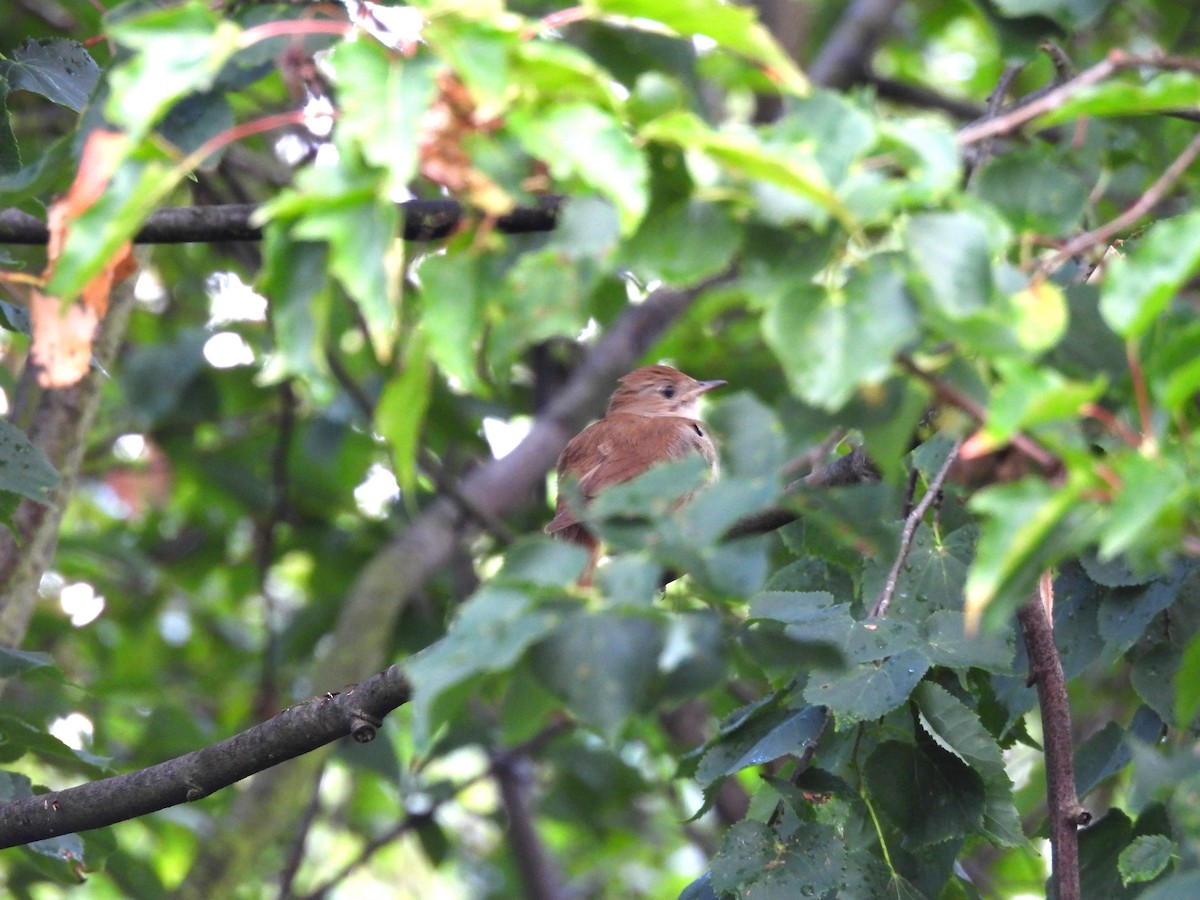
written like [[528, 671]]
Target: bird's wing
[[618, 448]]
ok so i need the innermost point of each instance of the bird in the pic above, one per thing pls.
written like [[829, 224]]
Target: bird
[[653, 416]]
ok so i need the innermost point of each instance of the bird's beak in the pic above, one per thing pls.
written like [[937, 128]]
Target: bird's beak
[[704, 387]]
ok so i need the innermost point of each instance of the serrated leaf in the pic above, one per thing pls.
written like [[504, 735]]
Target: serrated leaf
[[24, 469], [62, 71], [1019, 520], [1145, 858], [868, 691], [929, 795], [957, 728], [745, 154], [780, 732], [400, 413], [1103, 754], [381, 98], [176, 51], [757, 862]]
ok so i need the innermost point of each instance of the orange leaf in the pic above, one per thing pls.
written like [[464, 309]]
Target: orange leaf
[[62, 344], [101, 155]]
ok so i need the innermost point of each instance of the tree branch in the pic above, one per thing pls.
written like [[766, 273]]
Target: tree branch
[[911, 521], [1103, 235], [844, 59], [300, 729], [1066, 813], [368, 617], [424, 220]]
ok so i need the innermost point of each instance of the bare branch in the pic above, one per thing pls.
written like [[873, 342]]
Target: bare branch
[[845, 57], [424, 220], [1066, 813], [294, 731]]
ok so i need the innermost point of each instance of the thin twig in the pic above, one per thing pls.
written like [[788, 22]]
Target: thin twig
[[1043, 458], [1103, 235], [415, 819], [909, 531], [1041, 102], [1066, 812]]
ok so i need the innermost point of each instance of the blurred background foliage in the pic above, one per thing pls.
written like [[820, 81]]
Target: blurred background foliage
[[255, 518]]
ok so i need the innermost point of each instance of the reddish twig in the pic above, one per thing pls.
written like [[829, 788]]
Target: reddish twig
[[1103, 235], [1043, 458], [1140, 392]]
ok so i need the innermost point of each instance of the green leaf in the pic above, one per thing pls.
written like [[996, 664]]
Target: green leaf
[[493, 630], [24, 469], [734, 28], [859, 328], [928, 794], [950, 250], [957, 728], [1187, 685], [1020, 535], [1034, 192], [761, 739], [381, 98], [294, 276], [746, 155], [602, 665], [1040, 313], [867, 691], [1029, 395], [62, 71], [142, 181], [452, 294], [1163, 91], [176, 51], [757, 861], [1140, 285], [400, 412], [1146, 858], [665, 246], [587, 144], [1103, 754]]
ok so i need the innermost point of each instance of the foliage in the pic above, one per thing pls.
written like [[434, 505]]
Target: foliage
[[252, 472]]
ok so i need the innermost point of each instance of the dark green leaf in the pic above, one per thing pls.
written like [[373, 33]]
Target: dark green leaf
[[756, 861], [24, 469], [61, 71], [868, 691], [603, 666]]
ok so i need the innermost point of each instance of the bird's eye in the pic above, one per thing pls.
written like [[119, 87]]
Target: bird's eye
[[667, 390]]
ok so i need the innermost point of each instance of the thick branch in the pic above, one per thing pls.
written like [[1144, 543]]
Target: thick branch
[[845, 58], [1066, 813], [424, 220], [294, 731], [58, 425]]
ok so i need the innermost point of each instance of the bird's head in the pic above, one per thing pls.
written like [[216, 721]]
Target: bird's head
[[659, 391]]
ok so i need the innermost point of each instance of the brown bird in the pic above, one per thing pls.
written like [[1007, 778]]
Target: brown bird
[[652, 417]]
